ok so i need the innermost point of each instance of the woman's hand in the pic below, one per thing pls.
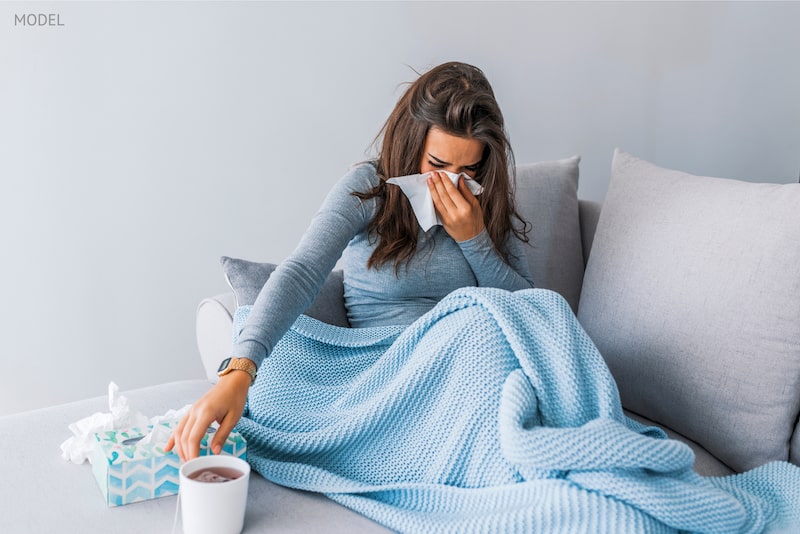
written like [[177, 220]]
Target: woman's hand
[[458, 208], [223, 403]]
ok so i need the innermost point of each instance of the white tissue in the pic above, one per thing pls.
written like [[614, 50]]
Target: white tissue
[[161, 433], [415, 187], [78, 447]]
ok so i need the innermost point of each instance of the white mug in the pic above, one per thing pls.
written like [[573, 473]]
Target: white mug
[[213, 507]]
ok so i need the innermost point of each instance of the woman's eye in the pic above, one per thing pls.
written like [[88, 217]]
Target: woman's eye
[[435, 165]]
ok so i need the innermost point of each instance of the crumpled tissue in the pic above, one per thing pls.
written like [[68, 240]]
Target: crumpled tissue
[[78, 448], [415, 187]]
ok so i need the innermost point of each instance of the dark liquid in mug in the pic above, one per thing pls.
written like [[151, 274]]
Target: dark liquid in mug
[[215, 474]]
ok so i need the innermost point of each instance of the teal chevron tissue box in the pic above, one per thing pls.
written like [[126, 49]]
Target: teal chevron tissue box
[[129, 471]]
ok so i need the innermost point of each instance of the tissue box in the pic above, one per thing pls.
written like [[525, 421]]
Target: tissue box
[[128, 471]]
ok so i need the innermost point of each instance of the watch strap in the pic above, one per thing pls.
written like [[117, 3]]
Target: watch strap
[[239, 364]]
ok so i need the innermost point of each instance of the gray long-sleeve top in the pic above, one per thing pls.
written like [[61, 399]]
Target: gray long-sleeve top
[[373, 297]]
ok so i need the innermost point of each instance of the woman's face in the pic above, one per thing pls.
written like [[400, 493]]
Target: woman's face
[[446, 152]]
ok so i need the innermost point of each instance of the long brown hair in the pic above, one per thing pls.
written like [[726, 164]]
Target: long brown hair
[[458, 99]]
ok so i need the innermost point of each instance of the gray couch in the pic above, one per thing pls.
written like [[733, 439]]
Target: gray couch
[[690, 292]]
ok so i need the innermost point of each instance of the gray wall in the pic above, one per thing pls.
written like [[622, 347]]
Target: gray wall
[[141, 141]]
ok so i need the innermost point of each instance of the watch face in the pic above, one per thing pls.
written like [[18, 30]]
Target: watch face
[[224, 364]]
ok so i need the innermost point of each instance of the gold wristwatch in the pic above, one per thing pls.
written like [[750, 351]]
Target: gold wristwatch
[[238, 364]]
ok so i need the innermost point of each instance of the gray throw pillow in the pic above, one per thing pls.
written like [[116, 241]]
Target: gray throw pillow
[[246, 278], [547, 197], [692, 295]]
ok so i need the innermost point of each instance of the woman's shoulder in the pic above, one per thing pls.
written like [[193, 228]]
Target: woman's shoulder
[[361, 177]]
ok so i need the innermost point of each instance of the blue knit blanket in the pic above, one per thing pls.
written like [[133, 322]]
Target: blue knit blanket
[[494, 412]]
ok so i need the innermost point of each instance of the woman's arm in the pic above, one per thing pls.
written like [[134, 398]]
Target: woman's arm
[[462, 219], [490, 269], [290, 289], [295, 283]]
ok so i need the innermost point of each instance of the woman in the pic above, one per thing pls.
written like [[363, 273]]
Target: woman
[[448, 120], [455, 408]]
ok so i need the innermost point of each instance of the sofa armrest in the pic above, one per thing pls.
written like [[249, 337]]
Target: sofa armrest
[[214, 326]]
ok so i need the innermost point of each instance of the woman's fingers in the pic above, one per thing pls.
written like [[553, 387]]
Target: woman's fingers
[[225, 428], [224, 404], [444, 194], [466, 193], [174, 439], [194, 434], [457, 207], [183, 438]]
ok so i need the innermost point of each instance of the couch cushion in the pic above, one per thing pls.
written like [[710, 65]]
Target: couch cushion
[[246, 278], [692, 295], [547, 197], [590, 213]]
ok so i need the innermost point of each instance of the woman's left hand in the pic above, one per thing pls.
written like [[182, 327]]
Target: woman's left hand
[[458, 208]]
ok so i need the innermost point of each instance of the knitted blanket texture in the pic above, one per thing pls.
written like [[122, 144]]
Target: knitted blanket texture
[[493, 412]]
